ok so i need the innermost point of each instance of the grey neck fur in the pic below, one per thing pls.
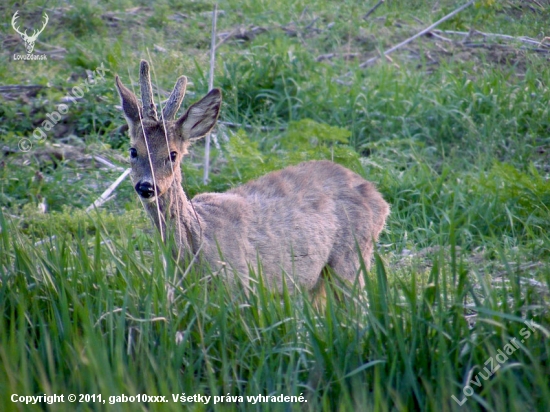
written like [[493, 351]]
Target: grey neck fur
[[182, 220]]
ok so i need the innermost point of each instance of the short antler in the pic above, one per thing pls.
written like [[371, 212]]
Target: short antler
[[149, 110], [175, 99]]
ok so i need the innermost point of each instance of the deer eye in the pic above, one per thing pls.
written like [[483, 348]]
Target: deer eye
[[173, 156], [133, 153]]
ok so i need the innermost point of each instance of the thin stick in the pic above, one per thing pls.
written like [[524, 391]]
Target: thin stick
[[522, 39], [105, 195], [101, 160], [440, 37], [249, 127], [210, 86], [213, 47], [417, 35], [366, 16]]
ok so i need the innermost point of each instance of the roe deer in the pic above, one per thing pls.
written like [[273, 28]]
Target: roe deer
[[295, 221]]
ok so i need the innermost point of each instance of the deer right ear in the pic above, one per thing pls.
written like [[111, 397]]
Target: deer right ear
[[130, 104], [201, 117]]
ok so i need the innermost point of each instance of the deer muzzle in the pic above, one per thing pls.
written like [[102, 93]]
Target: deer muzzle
[[145, 189]]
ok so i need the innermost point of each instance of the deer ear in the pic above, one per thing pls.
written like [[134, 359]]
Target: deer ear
[[129, 101], [201, 117]]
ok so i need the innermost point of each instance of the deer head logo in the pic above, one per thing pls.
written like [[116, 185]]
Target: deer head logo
[[29, 40]]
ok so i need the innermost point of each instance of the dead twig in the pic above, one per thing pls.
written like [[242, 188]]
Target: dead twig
[[417, 35], [21, 88], [241, 33], [111, 16], [373, 9], [327, 56], [210, 86], [330, 56], [494, 46], [437, 36], [105, 195], [540, 6], [105, 162], [247, 34], [522, 39], [232, 125], [311, 24]]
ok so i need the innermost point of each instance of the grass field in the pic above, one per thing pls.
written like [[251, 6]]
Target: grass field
[[454, 128]]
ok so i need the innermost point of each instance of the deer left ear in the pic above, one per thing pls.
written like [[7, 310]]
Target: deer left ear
[[201, 117]]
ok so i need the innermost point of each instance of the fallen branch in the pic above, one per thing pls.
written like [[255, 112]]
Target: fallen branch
[[438, 36], [249, 127], [20, 88], [490, 46], [241, 34], [522, 39], [330, 56], [311, 24], [105, 162], [417, 35], [105, 195], [366, 16]]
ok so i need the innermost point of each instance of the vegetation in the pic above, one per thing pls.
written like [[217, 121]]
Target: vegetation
[[453, 128]]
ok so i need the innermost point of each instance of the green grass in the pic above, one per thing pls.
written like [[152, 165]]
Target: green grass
[[454, 136], [89, 314]]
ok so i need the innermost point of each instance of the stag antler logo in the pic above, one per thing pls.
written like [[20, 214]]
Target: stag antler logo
[[29, 40]]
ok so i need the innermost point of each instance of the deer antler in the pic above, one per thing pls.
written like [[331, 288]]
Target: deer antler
[[175, 99], [149, 109]]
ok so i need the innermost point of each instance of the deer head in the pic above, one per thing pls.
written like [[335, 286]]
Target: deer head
[[158, 145], [29, 40]]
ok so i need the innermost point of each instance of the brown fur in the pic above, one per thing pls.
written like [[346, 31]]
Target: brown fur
[[295, 221]]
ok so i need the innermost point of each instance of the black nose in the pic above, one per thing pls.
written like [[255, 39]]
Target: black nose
[[145, 189]]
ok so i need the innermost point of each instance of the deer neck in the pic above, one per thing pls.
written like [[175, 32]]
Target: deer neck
[[177, 217]]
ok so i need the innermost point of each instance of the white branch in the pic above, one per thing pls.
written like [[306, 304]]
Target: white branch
[[105, 195], [417, 35]]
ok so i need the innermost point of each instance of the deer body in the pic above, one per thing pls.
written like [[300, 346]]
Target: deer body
[[294, 221]]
